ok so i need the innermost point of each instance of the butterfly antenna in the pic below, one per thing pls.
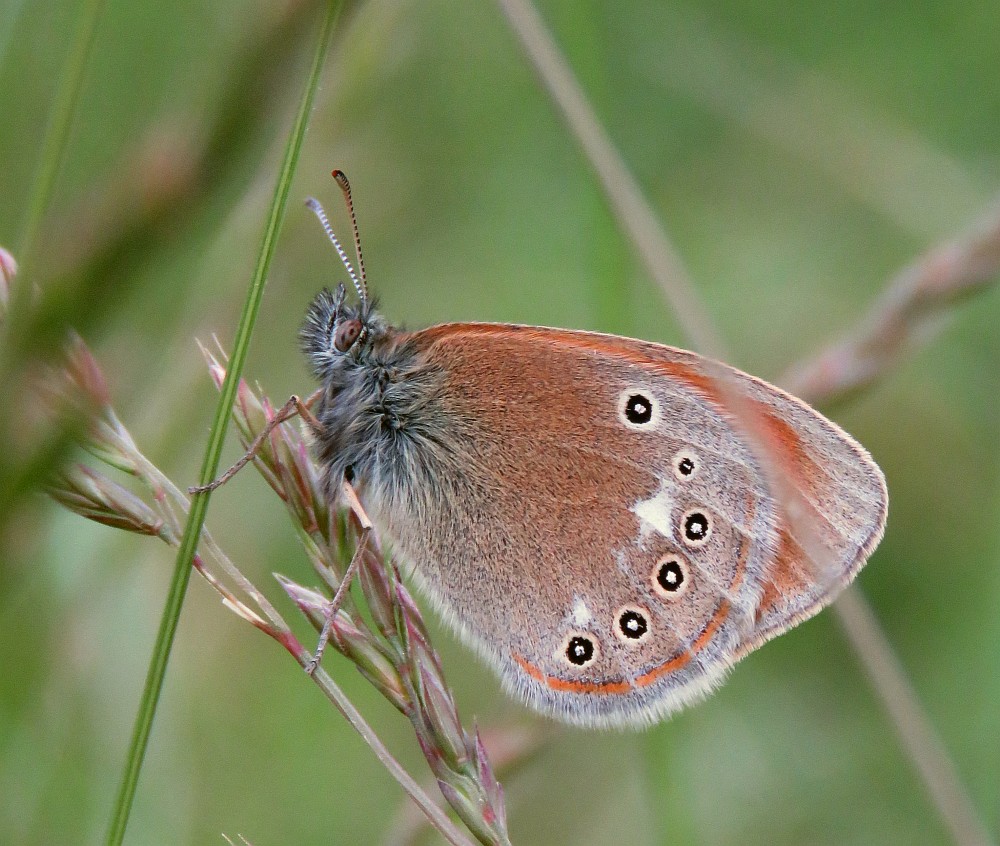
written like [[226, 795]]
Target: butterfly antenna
[[345, 186], [325, 223]]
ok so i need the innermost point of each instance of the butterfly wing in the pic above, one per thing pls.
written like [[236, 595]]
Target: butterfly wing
[[584, 511]]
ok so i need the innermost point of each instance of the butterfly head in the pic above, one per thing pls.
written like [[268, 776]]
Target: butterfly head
[[336, 333]]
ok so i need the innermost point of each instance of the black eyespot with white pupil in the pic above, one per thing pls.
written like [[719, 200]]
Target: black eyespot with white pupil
[[670, 576], [697, 527], [638, 409], [580, 650], [685, 465], [633, 624]]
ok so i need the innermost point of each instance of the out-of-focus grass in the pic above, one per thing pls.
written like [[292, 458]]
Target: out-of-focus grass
[[798, 154]]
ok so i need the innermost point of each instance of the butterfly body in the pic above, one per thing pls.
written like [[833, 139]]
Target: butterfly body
[[584, 509]]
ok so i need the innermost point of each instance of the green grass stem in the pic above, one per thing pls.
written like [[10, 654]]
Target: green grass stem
[[213, 451], [60, 124]]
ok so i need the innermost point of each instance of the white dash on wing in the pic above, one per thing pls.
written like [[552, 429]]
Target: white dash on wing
[[581, 613], [654, 515]]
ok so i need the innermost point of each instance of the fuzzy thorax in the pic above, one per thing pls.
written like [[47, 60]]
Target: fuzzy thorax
[[380, 408]]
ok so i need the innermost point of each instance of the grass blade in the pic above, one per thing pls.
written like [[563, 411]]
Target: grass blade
[[213, 451]]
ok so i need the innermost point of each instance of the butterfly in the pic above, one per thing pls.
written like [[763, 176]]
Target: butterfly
[[587, 511]]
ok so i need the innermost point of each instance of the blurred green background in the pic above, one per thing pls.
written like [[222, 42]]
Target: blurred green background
[[798, 153]]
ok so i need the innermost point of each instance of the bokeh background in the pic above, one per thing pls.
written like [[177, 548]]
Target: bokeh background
[[798, 153]]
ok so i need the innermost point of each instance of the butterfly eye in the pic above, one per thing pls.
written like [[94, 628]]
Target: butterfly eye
[[347, 333], [696, 526], [631, 624], [685, 464], [638, 409], [579, 650], [670, 576]]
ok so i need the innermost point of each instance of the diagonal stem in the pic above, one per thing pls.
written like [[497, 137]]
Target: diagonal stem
[[60, 124], [916, 732], [920, 293], [633, 212]]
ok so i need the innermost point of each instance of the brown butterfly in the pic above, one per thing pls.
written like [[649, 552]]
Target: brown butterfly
[[582, 508]]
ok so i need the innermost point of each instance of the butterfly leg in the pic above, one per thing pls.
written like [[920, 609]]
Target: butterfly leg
[[330, 611], [294, 406]]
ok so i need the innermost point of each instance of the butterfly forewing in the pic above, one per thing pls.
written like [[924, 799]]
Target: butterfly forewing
[[596, 525]]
